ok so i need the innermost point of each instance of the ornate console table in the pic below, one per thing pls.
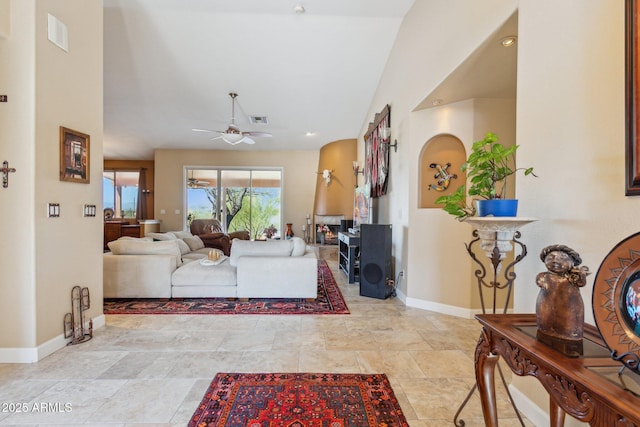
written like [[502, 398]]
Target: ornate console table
[[588, 388]]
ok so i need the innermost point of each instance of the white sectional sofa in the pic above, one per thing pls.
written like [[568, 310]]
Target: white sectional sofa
[[142, 268]]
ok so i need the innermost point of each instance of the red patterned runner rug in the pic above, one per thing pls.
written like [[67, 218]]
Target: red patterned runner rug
[[329, 301], [299, 400]]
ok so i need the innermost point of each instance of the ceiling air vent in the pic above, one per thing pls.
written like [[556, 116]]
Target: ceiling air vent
[[259, 120]]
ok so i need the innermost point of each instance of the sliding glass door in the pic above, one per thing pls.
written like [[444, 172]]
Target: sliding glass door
[[242, 199]]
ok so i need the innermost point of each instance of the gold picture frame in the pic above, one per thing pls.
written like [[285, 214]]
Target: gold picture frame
[[74, 156]]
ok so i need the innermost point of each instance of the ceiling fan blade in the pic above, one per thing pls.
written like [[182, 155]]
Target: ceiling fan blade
[[262, 134], [247, 140], [203, 130], [215, 137]]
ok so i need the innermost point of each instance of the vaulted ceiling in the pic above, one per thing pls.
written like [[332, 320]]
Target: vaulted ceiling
[[169, 66]]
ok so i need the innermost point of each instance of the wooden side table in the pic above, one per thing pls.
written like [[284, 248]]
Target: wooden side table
[[587, 388]]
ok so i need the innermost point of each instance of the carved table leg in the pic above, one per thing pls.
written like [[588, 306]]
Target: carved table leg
[[556, 415], [485, 379]]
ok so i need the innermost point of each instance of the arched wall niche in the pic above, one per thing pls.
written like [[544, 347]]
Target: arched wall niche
[[441, 158]]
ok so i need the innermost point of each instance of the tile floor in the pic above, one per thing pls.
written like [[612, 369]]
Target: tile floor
[[154, 370]]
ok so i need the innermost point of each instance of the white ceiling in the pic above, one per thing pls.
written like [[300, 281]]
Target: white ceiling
[[170, 64]]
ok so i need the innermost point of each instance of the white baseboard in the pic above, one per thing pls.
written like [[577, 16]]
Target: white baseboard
[[440, 308], [533, 412], [34, 354]]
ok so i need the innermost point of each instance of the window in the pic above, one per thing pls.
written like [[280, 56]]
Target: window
[[242, 199], [120, 192]]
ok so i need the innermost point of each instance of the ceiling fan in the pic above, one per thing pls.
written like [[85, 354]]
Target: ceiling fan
[[196, 183], [233, 135]]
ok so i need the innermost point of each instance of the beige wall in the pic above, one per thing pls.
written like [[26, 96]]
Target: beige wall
[[574, 138], [569, 124], [5, 20], [299, 172], [47, 257], [441, 271], [428, 245], [17, 249]]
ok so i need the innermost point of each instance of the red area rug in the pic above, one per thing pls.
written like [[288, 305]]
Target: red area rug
[[299, 400], [329, 301]]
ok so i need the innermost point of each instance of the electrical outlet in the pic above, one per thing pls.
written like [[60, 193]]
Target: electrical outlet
[[3, 98]]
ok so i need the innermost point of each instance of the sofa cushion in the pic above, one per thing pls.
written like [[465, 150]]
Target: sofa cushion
[[299, 246], [144, 239], [180, 234], [162, 236], [142, 247], [194, 242], [270, 248], [184, 248], [196, 274]]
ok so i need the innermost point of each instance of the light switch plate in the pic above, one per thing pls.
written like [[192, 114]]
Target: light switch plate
[[53, 210], [89, 210]]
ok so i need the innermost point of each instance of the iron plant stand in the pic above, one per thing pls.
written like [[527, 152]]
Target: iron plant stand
[[496, 255]]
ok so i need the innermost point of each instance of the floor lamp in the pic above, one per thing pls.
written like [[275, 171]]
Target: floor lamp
[[496, 236]]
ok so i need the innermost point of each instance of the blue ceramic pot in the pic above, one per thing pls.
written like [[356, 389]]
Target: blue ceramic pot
[[497, 207]]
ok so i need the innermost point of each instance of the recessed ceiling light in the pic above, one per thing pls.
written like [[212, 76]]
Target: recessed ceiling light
[[310, 134], [299, 9], [508, 41], [437, 102]]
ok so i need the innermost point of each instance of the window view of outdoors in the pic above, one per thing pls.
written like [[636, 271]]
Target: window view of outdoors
[[120, 193], [248, 199]]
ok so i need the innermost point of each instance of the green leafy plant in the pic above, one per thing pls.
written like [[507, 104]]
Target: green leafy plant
[[487, 167]]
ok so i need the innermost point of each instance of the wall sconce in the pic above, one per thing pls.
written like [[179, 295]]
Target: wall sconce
[[357, 170], [385, 134]]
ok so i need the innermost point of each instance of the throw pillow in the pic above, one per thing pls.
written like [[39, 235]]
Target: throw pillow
[[144, 239], [299, 246], [141, 247], [162, 236], [184, 248], [181, 234], [194, 242]]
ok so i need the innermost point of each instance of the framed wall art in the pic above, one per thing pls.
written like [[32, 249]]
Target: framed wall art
[[376, 168], [74, 156], [632, 152]]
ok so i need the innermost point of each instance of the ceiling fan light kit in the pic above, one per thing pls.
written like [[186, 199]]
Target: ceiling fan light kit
[[233, 135]]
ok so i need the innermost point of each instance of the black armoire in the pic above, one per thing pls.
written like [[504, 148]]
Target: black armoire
[[375, 261]]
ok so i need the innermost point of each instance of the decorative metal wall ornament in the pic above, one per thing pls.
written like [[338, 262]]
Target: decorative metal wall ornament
[[443, 176], [74, 321], [6, 170]]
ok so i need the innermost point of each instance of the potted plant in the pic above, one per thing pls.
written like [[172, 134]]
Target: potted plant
[[487, 167]]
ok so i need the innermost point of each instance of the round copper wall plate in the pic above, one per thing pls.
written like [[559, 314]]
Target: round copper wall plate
[[614, 297]]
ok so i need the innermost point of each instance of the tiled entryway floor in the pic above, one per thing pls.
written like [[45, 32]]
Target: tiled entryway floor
[[154, 370]]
